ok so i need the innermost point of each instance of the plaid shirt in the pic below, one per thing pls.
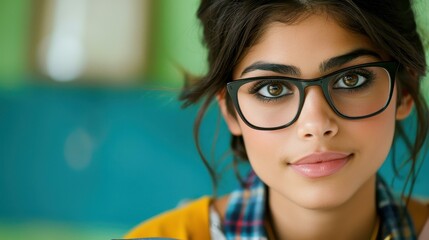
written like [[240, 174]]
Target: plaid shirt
[[245, 214]]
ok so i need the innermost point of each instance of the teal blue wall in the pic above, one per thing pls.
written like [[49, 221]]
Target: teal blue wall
[[142, 157]]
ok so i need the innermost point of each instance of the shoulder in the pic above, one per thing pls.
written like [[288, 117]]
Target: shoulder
[[419, 211], [187, 222]]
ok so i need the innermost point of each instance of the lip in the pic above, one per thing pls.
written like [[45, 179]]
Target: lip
[[320, 164]]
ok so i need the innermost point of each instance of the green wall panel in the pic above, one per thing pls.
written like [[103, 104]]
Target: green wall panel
[[176, 41], [14, 35]]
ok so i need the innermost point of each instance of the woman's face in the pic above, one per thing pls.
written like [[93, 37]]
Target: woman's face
[[354, 149]]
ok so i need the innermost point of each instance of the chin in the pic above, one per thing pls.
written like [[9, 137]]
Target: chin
[[322, 203], [321, 199]]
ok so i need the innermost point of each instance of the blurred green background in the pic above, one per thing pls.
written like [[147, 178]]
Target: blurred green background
[[93, 140]]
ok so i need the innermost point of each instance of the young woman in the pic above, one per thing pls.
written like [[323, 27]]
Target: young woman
[[313, 93]]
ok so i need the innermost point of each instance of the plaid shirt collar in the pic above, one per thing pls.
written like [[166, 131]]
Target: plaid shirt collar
[[245, 213]]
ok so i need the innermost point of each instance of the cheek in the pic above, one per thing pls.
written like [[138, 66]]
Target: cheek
[[266, 149], [373, 136], [261, 144]]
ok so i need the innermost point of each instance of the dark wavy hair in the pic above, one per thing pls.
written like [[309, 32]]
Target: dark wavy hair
[[231, 27]]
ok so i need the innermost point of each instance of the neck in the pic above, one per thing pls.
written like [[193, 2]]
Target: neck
[[353, 219]]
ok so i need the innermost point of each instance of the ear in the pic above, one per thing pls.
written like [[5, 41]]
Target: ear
[[231, 121], [404, 107]]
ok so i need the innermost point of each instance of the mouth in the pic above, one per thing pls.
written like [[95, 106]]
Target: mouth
[[321, 164]]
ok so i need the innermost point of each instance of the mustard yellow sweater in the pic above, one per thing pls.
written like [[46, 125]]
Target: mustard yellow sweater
[[188, 222]]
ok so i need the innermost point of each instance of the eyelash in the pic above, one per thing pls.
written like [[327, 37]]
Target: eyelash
[[369, 75], [259, 85]]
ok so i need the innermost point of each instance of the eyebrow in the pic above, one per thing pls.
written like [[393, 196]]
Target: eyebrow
[[323, 67], [272, 67], [343, 59]]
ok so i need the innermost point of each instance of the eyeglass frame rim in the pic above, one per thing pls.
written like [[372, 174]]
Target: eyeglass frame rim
[[233, 86]]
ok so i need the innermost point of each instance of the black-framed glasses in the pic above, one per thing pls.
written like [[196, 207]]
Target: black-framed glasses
[[270, 103]]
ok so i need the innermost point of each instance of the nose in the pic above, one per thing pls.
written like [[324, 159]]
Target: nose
[[317, 120]]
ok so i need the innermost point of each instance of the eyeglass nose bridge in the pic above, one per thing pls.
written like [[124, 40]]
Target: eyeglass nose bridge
[[322, 82], [312, 82]]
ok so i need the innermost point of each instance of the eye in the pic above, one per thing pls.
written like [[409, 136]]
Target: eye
[[274, 90], [351, 80]]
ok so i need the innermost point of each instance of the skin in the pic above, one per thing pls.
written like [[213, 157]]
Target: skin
[[314, 208]]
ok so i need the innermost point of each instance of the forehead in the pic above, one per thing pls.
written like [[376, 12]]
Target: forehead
[[305, 44]]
